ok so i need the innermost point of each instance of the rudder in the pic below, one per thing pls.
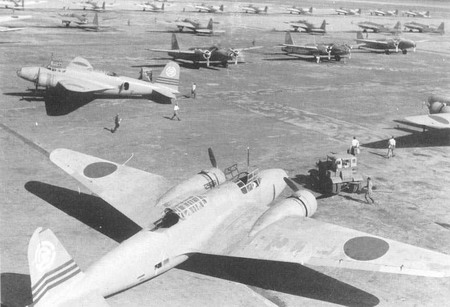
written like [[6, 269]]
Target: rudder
[[288, 39], [210, 24], [170, 76], [324, 25], [52, 270]]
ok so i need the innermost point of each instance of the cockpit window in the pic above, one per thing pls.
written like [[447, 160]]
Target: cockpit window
[[248, 181]]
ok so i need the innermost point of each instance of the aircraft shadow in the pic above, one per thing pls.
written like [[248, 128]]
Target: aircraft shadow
[[430, 138], [285, 277], [88, 209], [15, 289]]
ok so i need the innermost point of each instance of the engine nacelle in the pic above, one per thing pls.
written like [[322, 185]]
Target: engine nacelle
[[439, 98], [301, 203], [439, 107], [45, 79], [197, 184]]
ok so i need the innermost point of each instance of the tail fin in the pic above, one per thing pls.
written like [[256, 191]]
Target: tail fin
[[162, 6], [311, 9], [324, 25], [210, 24], [396, 12], [52, 270], [104, 5], [23, 3], [170, 76], [288, 39], [266, 8], [427, 14], [95, 21], [359, 35], [175, 45], [398, 25], [359, 11], [221, 8], [440, 29]]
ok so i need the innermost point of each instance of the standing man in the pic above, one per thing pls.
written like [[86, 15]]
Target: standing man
[[369, 192], [176, 108], [193, 90], [391, 146], [117, 121], [355, 147]]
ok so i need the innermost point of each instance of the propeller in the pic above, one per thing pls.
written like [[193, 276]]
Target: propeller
[[207, 56], [212, 158], [36, 80], [291, 184], [329, 48], [234, 53], [396, 43]]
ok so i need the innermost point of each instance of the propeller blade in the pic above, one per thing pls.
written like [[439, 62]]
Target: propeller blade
[[291, 184], [36, 82], [212, 158]]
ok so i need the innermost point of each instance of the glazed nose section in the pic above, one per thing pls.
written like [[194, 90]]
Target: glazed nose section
[[28, 73]]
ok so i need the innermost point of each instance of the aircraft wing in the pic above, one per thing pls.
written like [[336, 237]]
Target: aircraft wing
[[184, 24], [304, 47], [6, 29], [311, 242], [436, 121], [83, 86], [174, 51], [208, 31], [131, 191]]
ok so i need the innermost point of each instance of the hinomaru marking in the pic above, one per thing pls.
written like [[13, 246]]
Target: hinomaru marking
[[171, 72], [44, 256]]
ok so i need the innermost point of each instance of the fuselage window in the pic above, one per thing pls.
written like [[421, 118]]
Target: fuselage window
[[159, 265]]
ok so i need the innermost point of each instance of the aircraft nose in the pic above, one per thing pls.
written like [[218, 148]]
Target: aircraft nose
[[28, 73], [273, 179]]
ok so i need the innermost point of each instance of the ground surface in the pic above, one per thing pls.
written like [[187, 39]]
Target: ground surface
[[289, 112]]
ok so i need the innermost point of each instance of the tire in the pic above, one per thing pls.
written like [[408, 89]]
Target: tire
[[337, 57], [387, 51], [337, 188], [354, 188], [404, 51]]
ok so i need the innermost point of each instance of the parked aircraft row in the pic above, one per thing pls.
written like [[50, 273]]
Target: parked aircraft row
[[195, 26], [422, 28], [151, 7], [4, 19], [308, 27]]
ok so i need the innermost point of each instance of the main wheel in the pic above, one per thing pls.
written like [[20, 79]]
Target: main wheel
[[387, 51], [404, 51], [337, 188], [354, 188], [337, 57]]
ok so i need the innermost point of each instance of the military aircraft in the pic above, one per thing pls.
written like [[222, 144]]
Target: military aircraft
[[300, 10], [422, 28], [150, 7], [79, 19], [344, 11], [215, 212], [385, 45], [254, 9], [12, 4], [416, 14], [316, 51], [439, 114], [195, 26], [4, 19], [379, 28], [380, 12], [209, 8], [212, 54], [95, 5], [308, 27], [80, 77]]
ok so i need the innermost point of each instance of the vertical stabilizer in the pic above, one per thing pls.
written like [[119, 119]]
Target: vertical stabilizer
[[324, 25], [221, 8], [359, 11], [266, 8], [210, 24], [310, 10], [53, 272], [95, 21], [288, 39], [440, 29], [170, 76], [175, 45], [396, 12], [359, 35], [427, 14], [398, 26], [104, 5]]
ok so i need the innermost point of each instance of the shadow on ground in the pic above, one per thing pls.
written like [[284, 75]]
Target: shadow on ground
[[429, 138], [88, 209], [289, 278], [16, 290]]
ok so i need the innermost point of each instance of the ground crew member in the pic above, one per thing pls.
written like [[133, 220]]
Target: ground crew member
[[193, 90], [369, 192], [391, 146], [355, 147], [117, 121], [176, 108]]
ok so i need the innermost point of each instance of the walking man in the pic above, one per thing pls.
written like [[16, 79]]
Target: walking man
[[355, 147], [369, 192], [117, 121], [391, 146], [193, 90], [176, 108]]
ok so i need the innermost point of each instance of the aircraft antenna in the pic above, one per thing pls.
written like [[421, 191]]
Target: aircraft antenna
[[248, 158], [132, 155]]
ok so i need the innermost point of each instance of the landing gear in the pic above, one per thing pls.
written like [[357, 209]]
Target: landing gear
[[404, 51], [180, 29], [387, 51], [337, 57], [317, 59], [225, 64]]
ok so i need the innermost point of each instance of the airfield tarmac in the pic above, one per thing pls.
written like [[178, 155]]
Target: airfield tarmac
[[290, 113]]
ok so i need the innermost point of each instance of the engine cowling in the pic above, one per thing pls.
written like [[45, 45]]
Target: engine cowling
[[197, 184], [439, 107], [439, 98], [302, 203]]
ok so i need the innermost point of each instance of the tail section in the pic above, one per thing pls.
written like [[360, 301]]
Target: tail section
[[210, 24], [359, 35], [288, 39], [170, 76], [221, 8], [324, 25], [359, 11], [104, 5], [396, 13], [310, 10], [95, 21], [440, 29], [427, 14], [398, 26], [162, 6], [175, 45], [266, 8], [52, 271]]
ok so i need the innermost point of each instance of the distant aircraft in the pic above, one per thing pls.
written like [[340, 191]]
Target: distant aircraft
[[150, 7], [300, 10], [316, 51], [79, 19], [212, 54], [424, 28], [344, 11], [224, 213], [379, 28], [380, 12], [4, 19], [95, 5], [385, 45], [18, 4], [195, 26], [308, 27], [209, 8], [439, 114], [80, 77], [254, 9], [416, 14]]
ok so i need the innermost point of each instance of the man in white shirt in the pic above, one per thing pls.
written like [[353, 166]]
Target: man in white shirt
[[176, 108], [355, 147], [391, 146], [194, 90]]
